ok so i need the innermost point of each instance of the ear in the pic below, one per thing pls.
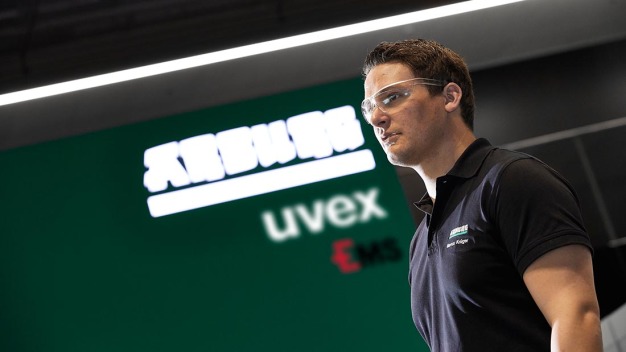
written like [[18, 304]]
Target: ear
[[452, 93]]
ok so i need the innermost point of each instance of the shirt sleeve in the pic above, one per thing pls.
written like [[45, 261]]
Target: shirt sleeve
[[536, 210]]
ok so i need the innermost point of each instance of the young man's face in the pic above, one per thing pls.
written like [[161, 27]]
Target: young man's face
[[410, 132]]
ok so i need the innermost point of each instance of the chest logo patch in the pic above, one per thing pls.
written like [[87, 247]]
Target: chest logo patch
[[458, 231]]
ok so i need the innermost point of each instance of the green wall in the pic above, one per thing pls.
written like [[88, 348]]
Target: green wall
[[84, 267]]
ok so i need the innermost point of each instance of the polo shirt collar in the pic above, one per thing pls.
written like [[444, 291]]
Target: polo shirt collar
[[472, 158], [465, 167]]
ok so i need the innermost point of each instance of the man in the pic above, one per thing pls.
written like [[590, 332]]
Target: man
[[501, 260]]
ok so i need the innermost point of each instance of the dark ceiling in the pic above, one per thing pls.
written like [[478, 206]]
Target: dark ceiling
[[51, 41], [47, 41]]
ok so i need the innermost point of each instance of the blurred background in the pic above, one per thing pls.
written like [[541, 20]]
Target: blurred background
[[85, 266]]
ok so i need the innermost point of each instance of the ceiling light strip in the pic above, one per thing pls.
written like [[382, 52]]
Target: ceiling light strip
[[249, 50]]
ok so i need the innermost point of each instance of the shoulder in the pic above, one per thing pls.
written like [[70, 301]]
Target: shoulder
[[521, 171], [528, 174]]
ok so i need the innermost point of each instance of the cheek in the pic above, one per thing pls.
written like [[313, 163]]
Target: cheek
[[428, 116]]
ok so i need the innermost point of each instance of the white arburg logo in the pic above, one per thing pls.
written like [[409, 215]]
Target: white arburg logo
[[213, 157]]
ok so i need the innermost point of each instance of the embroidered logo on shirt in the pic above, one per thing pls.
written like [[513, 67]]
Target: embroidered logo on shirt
[[461, 230]]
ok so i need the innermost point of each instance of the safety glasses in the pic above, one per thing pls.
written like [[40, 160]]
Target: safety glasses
[[390, 97]]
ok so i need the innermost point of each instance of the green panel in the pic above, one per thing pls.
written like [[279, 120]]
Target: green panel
[[84, 267]]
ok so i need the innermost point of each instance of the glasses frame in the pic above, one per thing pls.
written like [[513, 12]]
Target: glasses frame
[[371, 100]]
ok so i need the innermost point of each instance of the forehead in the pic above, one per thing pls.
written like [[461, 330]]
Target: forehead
[[386, 74]]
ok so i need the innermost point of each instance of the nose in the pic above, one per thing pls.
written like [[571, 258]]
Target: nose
[[379, 118]]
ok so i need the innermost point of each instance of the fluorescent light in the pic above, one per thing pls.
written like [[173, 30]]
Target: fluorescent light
[[261, 183], [249, 50]]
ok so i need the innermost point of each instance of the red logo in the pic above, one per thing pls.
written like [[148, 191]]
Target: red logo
[[350, 257], [342, 256]]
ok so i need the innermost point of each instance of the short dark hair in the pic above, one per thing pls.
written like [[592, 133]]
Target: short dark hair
[[428, 59]]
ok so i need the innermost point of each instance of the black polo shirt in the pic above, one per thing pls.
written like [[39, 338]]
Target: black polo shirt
[[496, 212]]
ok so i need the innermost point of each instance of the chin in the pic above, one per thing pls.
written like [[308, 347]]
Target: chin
[[400, 159], [394, 160]]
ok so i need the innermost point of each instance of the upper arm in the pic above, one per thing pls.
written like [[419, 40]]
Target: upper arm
[[541, 227], [561, 283]]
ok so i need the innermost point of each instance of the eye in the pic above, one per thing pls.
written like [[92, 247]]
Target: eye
[[389, 98]]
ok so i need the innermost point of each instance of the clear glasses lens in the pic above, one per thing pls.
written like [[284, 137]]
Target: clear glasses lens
[[391, 96]]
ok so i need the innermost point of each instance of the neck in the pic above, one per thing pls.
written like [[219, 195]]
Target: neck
[[443, 158]]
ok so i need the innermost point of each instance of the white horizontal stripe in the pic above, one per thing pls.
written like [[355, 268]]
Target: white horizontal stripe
[[261, 183]]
